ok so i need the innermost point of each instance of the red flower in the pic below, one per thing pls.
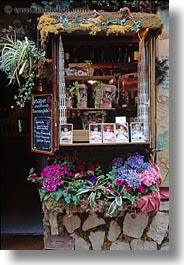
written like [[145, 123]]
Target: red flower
[[97, 164], [34, 176], [81, 167], [119, 182], [141, 188], [92, 168], [57, 156], [127, 188]]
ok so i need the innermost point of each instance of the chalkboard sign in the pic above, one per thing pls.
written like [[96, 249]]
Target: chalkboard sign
[[42, 124]]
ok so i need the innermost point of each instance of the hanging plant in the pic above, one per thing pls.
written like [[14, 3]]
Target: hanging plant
[[18, 59]]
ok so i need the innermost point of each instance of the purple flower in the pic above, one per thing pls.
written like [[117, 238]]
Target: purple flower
[[133, 179], [128, 176], [117, 162], [88, 184], [121, 173], [93, 179], [137, 162], [52, 176], [146, 166]]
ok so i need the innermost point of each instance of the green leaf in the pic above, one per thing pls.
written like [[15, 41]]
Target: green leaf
[[153, 188], [100, 187], [46, 197], [31, 171], [91, 199], [81, 191], [56, 195], [146, 190], [43, 194], [75, 199], [118, 200], [112, 208], [67, 198], [139, 170]]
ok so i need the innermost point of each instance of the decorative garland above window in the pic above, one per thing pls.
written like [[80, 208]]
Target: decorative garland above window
[[93, 22]]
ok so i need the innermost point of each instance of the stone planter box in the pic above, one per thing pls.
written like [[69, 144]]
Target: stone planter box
[[92, 229]]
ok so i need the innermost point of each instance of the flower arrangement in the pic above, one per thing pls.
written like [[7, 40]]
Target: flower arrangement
[[63, 177], [129, 180], [132, 178]]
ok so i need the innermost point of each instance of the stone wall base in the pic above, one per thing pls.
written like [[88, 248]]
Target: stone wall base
[[91, 229]]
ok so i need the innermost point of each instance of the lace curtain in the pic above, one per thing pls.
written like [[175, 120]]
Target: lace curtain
[[143, 89], [62, 93]]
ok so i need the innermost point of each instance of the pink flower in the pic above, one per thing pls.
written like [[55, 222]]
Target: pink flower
[[149, 177], [107, 190], [119, 182], [51, 176], [76, 175]]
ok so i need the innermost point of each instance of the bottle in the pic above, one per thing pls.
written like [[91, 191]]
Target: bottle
[[102, 56], [92, 55], [120, 57], [20, 125], [75, 55], [136, 56], [67, 57], [125, 56]]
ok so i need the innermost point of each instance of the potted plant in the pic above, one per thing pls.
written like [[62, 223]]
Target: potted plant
[[128, 182], [19, 60]]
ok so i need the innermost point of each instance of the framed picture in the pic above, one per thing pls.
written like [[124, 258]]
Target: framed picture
[[122, 132], [137, 132], [66, 134], [95, 133], [108, 130]]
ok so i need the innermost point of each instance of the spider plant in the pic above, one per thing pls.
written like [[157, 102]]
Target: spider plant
[[94, 188], [17, 60]]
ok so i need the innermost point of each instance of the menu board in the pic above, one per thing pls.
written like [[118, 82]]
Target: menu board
[[42, 123]]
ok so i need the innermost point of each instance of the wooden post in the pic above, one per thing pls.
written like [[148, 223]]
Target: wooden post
[[152, 93]]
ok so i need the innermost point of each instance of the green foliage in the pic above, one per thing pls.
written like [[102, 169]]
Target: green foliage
[[118, 194], [71, 180], [18, 58], [25, 92], [32, 176], [94, 188]]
